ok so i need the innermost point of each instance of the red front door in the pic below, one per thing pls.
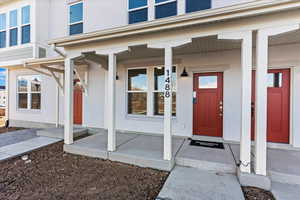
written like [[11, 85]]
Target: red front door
[[278, 106], [77, 104], [208, 104]]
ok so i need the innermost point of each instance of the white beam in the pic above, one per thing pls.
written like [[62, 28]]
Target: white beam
[[68, 129], [112, 72], [57, 80], [37, 70], [173, 43], [271, 31], [246, 78], [81, 81]]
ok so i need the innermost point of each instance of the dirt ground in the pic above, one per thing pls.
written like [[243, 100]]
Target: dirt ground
[[252, 193], [52, 174]]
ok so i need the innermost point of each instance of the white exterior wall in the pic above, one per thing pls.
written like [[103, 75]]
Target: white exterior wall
[[47, 114]]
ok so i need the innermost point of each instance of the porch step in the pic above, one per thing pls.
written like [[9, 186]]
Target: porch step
[[59, 132], [206, 158]]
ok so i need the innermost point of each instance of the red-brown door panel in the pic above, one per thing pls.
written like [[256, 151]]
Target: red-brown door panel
[[278, 108], [207, 116]]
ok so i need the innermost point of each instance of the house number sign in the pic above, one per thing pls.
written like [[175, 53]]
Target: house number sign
[[168, 84]]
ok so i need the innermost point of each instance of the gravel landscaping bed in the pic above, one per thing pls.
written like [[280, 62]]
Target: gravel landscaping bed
[[252, 193], [51, 174]]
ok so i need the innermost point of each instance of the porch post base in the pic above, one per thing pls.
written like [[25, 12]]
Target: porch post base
[[254, 180]]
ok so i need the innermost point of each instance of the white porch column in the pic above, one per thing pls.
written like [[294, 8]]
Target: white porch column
[[260, 165], [261, 103], [111, 115], [168, 104], [68, 128], [167, 46], [111, 94], [246, 79]]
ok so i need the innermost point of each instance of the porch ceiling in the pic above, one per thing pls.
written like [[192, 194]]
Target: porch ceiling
[[206, 44]]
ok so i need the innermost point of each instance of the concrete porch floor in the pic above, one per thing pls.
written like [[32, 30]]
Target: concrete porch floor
[[147, 151], [136, 149], [282, 165]]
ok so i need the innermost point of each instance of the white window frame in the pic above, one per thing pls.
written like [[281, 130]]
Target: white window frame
[[28, 92], [132, 91], [5, 30], [15, 27], [139, 8], [150, 92], [165, 2], [26, 24], [69, 16]]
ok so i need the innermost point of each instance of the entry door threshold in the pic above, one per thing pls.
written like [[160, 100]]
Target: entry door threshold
[[207, 138]]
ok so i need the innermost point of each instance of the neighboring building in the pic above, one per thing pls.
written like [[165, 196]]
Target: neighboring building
[[231, 66]]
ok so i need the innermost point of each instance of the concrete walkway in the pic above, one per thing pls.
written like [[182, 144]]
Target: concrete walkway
[[16, 136], [190, 183], [284, 191], [20, 148]]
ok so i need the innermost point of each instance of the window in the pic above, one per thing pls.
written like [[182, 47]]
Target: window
[[139, 93], [208, 82], [13, 28], [165, 8], [159, 82], [275, 80], [2, 30], [76, 18], [138, 11], [196, 5], [25, 28], [29, 92]]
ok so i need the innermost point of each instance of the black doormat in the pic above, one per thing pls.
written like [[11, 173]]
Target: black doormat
[[199, 143]]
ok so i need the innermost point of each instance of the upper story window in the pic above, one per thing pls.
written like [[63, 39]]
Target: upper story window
[[138, 11], [76, 18], [13, 28], [165, 8], [2, 30], [196, 5], [25, 27], [29, 92]]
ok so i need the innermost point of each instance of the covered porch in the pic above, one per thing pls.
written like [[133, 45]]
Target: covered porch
[[226, 47]]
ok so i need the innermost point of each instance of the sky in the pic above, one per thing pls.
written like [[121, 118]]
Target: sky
[[2, 77]]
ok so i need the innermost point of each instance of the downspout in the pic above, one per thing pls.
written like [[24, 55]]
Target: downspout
[[57, 106], [54, 48], [7, 95]]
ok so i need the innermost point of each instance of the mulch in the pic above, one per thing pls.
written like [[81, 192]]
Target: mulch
[[253, 193], [51, 174]]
